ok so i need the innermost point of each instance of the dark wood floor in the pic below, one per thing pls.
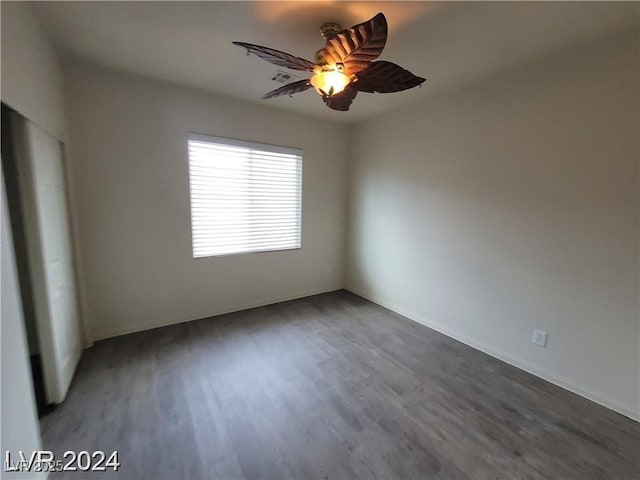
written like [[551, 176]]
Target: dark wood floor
[[330, 386]]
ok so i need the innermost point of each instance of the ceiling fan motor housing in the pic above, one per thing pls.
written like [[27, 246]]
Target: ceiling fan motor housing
[[330, 29], [327, 30]]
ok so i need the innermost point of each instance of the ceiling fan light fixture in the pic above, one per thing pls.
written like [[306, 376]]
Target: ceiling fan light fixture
[[329, 82]]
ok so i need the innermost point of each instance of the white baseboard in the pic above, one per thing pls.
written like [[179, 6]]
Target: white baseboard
[[238, 308], [587, 393]]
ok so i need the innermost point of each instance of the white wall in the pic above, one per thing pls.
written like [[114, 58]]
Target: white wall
[[131, 186], [32, 82], [509, 206]]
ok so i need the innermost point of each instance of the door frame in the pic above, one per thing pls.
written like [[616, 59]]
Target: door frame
[[26, 207]]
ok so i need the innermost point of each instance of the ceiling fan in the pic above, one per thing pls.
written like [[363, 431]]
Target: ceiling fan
[[344, 67]]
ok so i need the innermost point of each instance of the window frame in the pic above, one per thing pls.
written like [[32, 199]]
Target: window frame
[[265, 147]]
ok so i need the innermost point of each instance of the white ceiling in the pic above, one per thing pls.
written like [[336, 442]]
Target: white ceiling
[[451, 44]]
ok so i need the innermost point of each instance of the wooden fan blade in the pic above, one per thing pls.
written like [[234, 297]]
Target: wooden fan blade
[[385, 77], [359, 45], [342, 101], [277, 57], [288, 89]]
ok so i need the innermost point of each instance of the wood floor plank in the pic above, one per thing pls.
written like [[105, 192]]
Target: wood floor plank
[[327, 387]]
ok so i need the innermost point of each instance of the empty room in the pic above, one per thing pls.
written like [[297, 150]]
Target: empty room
[[320, 240]]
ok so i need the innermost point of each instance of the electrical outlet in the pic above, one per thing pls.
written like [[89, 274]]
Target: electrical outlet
[[539, 338]]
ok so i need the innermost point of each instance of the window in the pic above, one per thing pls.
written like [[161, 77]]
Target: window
[[245, 197]]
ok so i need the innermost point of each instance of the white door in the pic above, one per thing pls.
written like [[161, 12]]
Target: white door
[[50, 255]]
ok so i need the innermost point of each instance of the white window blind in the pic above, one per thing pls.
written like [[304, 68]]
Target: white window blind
[[245, 197]]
